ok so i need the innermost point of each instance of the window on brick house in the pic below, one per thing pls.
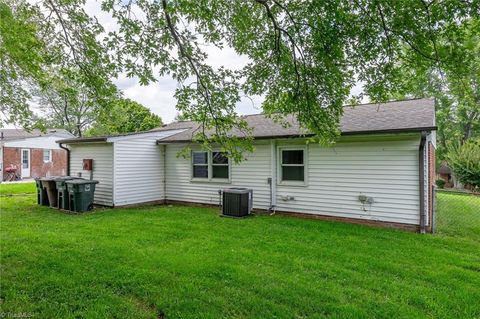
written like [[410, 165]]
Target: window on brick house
[[47, 156]]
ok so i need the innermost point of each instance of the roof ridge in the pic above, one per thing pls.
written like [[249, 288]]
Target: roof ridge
[[347, 105], [392, 101]]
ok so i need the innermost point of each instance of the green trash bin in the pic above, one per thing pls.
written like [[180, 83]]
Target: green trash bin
[[62, 192], [49, 185], [80, 194], [42, 197]]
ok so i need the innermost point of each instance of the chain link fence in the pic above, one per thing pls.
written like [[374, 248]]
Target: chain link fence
[[457, 213]]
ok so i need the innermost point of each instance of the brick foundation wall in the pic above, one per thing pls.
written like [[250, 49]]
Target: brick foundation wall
[[38, 168]]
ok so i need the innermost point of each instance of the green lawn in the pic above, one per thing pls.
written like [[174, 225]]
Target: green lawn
[[17, 188], [459, 214], [185, 262]]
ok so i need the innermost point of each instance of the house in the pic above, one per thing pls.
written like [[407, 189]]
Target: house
[[444, 172], [381, 170], [129, 167], [29, 154]]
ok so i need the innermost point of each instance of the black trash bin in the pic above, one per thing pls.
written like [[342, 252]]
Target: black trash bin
[[49, 185], [80, 194], [42, 197], [62, 192]]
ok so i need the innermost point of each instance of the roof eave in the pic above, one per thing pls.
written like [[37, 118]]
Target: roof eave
[[391, 131], [80, 140], [399, 130]]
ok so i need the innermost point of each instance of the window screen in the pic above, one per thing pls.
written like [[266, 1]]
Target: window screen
[[25, 159], [293, 157], [292, 165], [47, 156], [219, 165], [210, 165], [200, 164]]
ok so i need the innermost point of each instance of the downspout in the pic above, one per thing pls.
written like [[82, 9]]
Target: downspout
[[68, 157], [272, 181], [421, 172]]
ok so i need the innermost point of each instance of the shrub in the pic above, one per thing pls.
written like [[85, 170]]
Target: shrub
[[464, 160], [440, 183]]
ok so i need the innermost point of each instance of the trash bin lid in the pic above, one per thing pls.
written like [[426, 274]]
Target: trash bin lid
[[81, 181], [237, 190], [64, 178], [49, 178]]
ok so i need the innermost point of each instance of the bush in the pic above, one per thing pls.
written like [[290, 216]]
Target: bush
[[464, 160], [440, 183]]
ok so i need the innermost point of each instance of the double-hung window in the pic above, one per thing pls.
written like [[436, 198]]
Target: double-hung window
[[292, 165], [47, 156], [210, 166], [219, 165], [200, 164]]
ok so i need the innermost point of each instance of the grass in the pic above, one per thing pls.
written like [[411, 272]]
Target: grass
[[17, 188], [185, 262], [459, 214]]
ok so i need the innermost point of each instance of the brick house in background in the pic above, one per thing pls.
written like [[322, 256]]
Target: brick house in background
[[32, 154]]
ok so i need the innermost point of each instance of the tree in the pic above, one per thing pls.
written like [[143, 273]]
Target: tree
[[454, 82], [46, 43], [68, 106], [304, 55], [179, 117], [464, 159], [125, 116]]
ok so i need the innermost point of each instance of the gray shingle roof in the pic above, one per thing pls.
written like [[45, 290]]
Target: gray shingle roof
[[397, 116], [10, 134]]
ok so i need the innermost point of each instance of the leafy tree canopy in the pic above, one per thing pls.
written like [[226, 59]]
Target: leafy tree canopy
[[49, 50], [454, 81], [125, 116], [66, 103], [465, 161], [305, 55]]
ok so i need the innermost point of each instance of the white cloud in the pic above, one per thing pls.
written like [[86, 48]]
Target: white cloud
[[159, 96]]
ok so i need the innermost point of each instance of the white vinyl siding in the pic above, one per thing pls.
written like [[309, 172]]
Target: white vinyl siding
[[384, 170], [382, 167], [129, 167], [102, 155], [139, 170], [252, 173]]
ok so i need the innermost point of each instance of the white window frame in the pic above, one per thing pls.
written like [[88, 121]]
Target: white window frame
[[192, 165], [49, 155], [210, 165], [280, 181]]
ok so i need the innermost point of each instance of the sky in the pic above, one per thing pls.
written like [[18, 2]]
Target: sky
[[159, 96]]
